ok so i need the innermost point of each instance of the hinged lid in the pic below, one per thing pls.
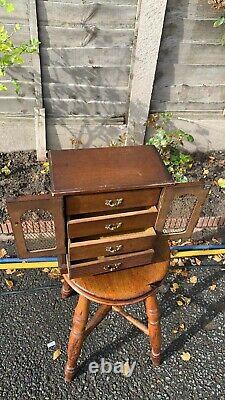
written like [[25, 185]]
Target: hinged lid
[[107, 169]]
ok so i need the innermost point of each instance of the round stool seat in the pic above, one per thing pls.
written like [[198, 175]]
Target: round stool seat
[[126, 286]]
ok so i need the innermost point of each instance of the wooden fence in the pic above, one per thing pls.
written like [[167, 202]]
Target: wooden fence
[[190, 73]]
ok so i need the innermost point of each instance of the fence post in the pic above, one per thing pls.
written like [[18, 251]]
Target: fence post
[[39, 111], [145, 56]]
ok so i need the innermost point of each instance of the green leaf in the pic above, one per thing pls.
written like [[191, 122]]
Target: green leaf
[[17, 27], [2, 71], [180, 177], [10, 7], [220, 21], [3, 3], [18, 60], [3, 88], [189, 138], [16, 86], [221, 183]]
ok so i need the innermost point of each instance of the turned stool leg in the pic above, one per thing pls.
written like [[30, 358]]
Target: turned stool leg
[[154, 330], [100, 314], [77, 336], [66, 290]]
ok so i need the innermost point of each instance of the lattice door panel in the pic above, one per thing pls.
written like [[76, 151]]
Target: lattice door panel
[[179, 209], [38, 226], [36, 236]]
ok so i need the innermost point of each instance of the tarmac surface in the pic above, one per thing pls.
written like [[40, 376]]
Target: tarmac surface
[[32, 315]]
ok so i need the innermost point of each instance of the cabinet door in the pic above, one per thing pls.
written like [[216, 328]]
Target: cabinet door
[[179, 209], [38, 225]]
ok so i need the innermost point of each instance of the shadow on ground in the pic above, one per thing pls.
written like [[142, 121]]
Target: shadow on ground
[[32, 315]]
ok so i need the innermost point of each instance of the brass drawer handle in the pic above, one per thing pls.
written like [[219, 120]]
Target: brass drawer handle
[[114, 249], [113, 203], [113, 227], [112, 267]]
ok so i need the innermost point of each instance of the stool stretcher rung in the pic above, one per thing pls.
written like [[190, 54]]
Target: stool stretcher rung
[[97, 318], [131, 319]]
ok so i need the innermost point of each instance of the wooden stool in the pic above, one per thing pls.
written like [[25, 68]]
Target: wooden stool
[[112, 291]]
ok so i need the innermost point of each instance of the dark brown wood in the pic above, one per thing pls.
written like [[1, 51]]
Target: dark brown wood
[[18, 206], [166, 199], [107, 169], [112, 201], [100, 314], [66, 290], [108, 246], [154, 329], [62, 262], [126, 286], [77, 336], [111, 264], [112, 224]]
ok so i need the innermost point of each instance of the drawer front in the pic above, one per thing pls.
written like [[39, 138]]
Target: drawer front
[[112, 224], [111, 264], [109, 246], [112, 201]]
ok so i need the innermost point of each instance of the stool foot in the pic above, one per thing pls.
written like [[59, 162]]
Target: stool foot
[[77, 336], [69, 374], [66, 290], [156, 360], [154, 330]]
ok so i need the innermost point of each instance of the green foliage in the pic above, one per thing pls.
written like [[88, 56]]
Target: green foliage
[[169, 143], [11, 54], [8, 5], [221, 183], [45, 168], [16, 86], [3, 88], [219, 22]]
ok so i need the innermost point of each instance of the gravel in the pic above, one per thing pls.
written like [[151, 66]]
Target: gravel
[[32, 318]]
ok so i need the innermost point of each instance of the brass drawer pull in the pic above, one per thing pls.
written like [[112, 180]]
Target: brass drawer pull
[[113, 203], [114, 249], [112, 267], [113, 227]]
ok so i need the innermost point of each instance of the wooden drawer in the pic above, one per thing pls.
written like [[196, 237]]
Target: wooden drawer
[[111, 264], [112, 201], [109, 246], [112, 224]]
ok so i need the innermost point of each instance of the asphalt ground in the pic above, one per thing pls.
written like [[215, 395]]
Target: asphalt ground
[[32, 314]]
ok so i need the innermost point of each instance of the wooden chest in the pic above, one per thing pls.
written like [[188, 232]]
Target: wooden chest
[[106, 209]]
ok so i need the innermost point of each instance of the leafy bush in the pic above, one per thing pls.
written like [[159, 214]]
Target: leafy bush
[[11, 54], [169, 143]]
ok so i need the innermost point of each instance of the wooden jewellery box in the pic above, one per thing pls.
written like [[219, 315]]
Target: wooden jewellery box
[[107, 209]]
